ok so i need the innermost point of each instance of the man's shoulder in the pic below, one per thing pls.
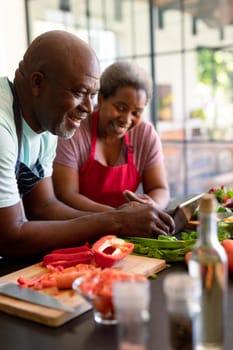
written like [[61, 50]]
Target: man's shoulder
[[48, 144], [3, 82], [6, 110], [5, 91], [5, 96]]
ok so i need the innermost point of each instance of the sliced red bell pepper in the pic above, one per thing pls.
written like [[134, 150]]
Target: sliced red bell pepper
[[73, 262], [22, 281], [72, 250], [69, 256], [110, 249]]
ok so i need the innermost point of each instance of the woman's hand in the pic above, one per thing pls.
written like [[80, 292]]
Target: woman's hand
[[151, 220], [140, 198]]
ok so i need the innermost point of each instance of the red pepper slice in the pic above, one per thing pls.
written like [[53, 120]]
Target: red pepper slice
[[55, 257], [110, 249], [22, 281], [69, 256], [68, 263], [72, 250]]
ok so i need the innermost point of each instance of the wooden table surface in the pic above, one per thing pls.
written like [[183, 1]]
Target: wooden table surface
[[83, 334]]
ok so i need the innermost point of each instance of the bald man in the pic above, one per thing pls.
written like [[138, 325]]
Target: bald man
[[52, 92]]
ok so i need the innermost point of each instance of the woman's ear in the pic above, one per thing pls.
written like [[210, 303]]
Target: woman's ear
[[37, 83]]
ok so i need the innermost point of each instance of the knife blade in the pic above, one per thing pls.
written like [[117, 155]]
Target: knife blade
[[184, 211], [32, 296]]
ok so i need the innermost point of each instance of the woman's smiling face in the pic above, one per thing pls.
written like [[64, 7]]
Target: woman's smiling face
[[121, 111]]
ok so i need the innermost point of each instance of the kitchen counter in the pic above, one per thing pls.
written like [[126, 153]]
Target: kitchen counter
[[82, 333]]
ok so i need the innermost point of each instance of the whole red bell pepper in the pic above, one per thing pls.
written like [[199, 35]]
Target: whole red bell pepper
[[110, 249]]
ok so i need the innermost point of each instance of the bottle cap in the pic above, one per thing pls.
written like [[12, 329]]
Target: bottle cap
[[208, 204]]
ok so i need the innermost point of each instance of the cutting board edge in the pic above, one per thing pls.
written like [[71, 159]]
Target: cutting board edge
[[13, 276], [148, 265], [44, 315]]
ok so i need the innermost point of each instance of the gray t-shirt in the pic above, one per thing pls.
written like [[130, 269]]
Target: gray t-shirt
[[36, 156]]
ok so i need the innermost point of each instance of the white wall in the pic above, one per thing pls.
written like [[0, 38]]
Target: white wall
[[13, 40]]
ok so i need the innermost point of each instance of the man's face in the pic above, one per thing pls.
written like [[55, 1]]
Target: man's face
[[67, 99]]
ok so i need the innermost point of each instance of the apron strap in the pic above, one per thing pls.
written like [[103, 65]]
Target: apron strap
[[18, 122], [94, 134], [130, 148]]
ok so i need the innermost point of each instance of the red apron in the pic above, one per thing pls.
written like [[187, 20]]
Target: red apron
[[105, 184]]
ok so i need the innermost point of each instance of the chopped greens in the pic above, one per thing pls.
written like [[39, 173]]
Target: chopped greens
[[172, 249], [222, 194], [168, 248]]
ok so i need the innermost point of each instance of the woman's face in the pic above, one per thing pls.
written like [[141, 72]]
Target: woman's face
[[121, 111]]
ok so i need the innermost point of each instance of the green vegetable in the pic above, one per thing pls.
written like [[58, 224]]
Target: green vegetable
[[220, 194], [230, 193], [222, 209], [162, 243], [167, 238], [189, 235], [225, 231], [168, 248]]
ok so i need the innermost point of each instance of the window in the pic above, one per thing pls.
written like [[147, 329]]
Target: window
[[187, 46]]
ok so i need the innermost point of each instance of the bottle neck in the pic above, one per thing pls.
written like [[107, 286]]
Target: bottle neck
[[208, 230]]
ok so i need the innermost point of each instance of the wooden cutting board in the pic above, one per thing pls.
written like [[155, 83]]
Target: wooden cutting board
[[54, 318], [191, 225]]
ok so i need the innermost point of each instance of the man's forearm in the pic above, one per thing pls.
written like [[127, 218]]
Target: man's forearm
[[55, 210]]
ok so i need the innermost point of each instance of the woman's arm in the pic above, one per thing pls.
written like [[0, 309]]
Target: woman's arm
[[155, 187], [66, 186], [155, 184]]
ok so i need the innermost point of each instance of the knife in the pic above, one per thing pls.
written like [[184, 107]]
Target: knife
[[32, 296], [184, 211]]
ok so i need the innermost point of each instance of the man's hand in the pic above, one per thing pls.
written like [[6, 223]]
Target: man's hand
[[145, 220]]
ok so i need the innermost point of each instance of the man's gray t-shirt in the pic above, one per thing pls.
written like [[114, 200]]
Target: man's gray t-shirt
[[36, 155]]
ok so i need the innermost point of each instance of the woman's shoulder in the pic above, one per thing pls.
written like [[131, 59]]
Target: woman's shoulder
[[144, 129]]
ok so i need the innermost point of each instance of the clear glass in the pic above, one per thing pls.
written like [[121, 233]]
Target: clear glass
[[209, 264], [103, 309], [131, 302], [183, 305]]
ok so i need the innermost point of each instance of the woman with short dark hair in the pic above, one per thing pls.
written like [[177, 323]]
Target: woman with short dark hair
[[114, 150]]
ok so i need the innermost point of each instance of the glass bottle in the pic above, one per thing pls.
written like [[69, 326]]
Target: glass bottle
[[208, 263]]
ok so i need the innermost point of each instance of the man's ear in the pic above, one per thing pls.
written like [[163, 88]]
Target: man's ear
[[37, 83]]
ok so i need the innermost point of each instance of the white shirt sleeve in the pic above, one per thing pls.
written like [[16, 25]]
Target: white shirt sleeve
[[9, 194]]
